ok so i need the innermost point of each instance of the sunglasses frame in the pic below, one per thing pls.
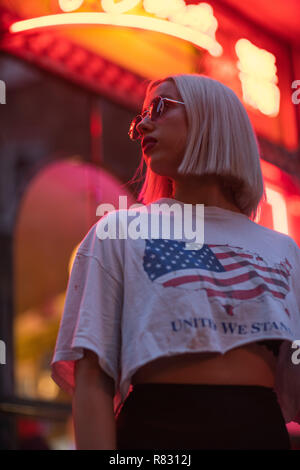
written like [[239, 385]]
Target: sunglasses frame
[[147, 111]]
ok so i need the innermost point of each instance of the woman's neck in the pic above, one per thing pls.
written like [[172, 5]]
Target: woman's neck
[[205, 191]]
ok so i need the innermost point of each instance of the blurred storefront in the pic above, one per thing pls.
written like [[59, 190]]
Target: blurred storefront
[[75, 74]]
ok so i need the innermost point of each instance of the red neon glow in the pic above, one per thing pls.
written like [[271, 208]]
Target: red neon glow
[[279, 210], [132, 21], [96, 125]]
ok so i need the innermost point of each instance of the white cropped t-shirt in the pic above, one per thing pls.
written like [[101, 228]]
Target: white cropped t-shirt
[[132, 301]]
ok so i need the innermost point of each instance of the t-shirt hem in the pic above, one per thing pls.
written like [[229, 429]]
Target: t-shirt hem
[[62, 356]]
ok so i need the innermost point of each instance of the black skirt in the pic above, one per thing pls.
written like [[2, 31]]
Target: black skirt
[[192, 416]]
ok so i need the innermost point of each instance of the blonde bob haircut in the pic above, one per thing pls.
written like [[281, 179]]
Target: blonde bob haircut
[[220, 141]]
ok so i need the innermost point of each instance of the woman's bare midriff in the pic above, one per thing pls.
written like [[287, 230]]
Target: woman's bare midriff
[[251, 364]]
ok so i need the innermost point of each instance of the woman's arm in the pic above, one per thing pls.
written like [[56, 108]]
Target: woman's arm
[[93, 410]]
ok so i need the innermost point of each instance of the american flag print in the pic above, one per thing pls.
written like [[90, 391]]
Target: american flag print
[[228, 274]]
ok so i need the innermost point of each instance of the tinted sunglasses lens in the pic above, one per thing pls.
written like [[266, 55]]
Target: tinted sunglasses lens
[[156, 108], [155, 111]]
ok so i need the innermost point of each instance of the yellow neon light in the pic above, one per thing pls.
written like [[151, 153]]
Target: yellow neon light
[[165, 8], [109, 6], [70, 5], [199, 17], [132, 21], [258, 75]]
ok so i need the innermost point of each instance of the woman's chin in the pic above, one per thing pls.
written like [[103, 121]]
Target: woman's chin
[[157, 167]]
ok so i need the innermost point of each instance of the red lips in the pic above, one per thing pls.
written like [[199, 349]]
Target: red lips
[[148, 140]]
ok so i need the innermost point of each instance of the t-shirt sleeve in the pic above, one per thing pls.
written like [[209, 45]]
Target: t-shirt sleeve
[[91, 317], [287, 383]]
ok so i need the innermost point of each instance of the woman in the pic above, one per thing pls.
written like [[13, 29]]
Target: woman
[[194, 354]]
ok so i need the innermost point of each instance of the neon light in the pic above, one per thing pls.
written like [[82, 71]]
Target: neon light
[[70, 5], [279, 212], [199, 17], [165, 8], [133, 21], [258, 77], [109, 6]]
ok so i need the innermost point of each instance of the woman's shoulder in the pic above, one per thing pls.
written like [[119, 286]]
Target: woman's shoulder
[[279, 239]]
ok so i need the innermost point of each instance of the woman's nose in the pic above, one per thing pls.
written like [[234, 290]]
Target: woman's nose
[[145, 124]]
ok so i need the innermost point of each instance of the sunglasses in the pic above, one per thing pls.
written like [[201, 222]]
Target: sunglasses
[[154, 112]]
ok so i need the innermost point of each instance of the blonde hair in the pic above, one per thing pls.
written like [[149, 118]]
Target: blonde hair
[[221, 141]]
